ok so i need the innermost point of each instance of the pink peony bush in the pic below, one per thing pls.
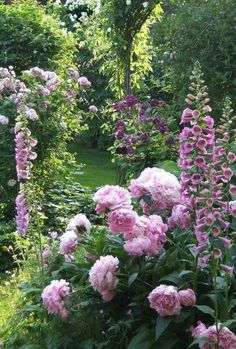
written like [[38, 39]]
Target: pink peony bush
[[166, 260]]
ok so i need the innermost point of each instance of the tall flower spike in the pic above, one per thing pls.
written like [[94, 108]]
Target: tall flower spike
[[196, 157]]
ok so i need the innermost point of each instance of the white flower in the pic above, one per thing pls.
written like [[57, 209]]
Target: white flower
[[11, 182], [128, 2], [4, 120], [63, 126], [145, 4]]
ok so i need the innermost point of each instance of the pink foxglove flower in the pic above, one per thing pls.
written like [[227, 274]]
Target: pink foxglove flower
[[54, 297], [22, 214]]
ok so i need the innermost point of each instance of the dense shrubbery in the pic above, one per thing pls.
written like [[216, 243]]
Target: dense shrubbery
[[205, 32], [29, 37]]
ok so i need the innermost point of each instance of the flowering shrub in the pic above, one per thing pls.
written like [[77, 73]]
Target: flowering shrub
[[142, 137], [160, 271]]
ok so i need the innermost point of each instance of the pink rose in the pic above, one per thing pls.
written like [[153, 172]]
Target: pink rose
[[165, 300], [187, 297]]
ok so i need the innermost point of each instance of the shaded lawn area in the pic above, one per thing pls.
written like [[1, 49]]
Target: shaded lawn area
[[98, 169]]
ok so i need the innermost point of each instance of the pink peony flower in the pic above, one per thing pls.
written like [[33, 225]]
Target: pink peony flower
[[111, 197], [103, 276], [162, 186], [227, 339], [187, 297], [122, 220], [147, 237], [165, 300], [54, 296], [179, 218], [68, 242], [79, 221]]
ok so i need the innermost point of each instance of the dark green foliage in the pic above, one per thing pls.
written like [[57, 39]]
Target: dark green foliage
[[198, 30], [29, 37]]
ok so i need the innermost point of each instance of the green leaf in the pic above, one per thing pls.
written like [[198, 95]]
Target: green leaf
[[206, 309], [202, 340], [132, 278], [142, 340], [173, 277], [161, 325], [228, 323]]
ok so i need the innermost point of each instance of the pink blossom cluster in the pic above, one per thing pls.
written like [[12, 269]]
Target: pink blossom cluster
[[103, 276], [142, 235], [24, 154], [111, 197], [50, 78], [168, 301], [147, 236], [163, 188], [54, 297], [227, 339], [22, 214]]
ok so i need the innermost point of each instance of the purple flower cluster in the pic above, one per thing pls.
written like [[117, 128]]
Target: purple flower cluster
[[129, 102]]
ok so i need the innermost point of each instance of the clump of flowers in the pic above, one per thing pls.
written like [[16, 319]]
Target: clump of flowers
[[167, 301], [103, 276], [142, 137], [54, 298], [227, 339], [162, 187]]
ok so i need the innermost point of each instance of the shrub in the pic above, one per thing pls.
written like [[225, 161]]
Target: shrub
[[29, 37], [205, 32]]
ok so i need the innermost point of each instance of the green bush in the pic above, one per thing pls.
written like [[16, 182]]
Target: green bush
[[203, 31], [29, 37]]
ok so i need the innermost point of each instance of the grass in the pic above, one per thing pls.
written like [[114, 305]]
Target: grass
[[98, 169]]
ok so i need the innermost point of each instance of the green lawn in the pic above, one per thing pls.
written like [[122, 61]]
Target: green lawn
[[98, 169]]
